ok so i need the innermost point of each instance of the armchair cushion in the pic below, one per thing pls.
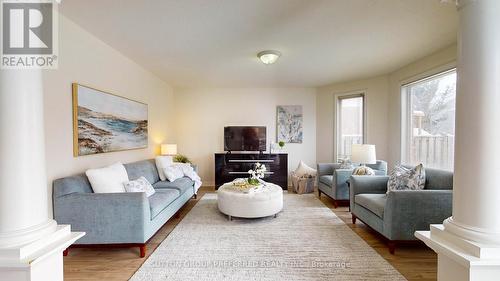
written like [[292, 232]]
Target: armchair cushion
[[366, 184], [373, 202]]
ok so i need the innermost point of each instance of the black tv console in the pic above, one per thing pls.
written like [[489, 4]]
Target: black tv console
[[229, 166]]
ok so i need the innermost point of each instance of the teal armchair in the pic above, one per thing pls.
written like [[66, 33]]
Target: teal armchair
[[398, 214], [332, 181]]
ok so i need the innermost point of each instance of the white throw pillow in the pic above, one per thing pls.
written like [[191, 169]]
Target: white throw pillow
[[139, 185], [109, 179], [304, 170], [161, 163], [173, 172]]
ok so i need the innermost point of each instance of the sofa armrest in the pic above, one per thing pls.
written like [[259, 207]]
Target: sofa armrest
[[407, 211], [366, 184], [105, 217], [326, 168], [342, 175]]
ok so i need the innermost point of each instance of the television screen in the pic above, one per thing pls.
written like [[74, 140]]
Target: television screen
[[244, 138]]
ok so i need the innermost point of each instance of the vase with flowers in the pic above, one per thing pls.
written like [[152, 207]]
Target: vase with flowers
[[256, 174]]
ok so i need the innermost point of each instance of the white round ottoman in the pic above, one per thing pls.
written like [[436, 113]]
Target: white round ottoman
[[261, 203]]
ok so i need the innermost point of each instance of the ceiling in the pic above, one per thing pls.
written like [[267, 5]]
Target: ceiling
[[213, 43]]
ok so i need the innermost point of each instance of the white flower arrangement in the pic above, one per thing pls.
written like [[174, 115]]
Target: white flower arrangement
[[257, 173]]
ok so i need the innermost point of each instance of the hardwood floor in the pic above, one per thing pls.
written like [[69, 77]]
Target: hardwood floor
[[415, 262]]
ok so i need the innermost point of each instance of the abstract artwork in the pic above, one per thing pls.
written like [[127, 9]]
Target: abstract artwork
[[289, 123], [104, 122]]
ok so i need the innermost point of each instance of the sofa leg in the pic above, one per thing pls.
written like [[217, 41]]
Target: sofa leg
[[142, 249], [319, 193], [335, 204], [353, 219], [195, 196], [65, 252], [392, 247]]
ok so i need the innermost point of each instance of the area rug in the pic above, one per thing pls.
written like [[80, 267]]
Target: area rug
[[307, 241]]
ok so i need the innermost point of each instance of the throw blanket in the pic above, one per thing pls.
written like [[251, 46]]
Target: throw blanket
[[189, 172]]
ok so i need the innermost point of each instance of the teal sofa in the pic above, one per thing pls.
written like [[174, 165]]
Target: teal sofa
[[332, 181], [119, 219], [398, 214]]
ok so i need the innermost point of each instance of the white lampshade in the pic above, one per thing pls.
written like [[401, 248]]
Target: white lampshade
[[168, 149], [363, 154]]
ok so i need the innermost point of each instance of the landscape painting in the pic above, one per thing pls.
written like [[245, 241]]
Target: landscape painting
[[104, 122], [289, 124]]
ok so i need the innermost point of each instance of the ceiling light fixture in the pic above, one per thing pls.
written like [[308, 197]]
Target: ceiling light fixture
[[269, 56]]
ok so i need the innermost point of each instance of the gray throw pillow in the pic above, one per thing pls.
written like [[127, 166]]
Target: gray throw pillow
[[402, 178]]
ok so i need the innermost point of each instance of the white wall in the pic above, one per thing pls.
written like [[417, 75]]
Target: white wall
[[383, 94], [376, 99], [201, 115], [85, 59]]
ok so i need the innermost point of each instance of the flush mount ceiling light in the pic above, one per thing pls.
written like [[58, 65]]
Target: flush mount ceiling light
[[269, 56]]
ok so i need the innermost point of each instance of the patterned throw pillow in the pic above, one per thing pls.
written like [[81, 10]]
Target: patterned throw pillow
[[139, 185], [402, 178]]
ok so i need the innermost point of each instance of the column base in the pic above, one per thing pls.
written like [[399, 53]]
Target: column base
[[39, 260], [460, 259], [24, 236]]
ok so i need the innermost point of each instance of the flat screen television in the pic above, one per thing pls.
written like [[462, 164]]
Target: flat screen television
[[245, 138]]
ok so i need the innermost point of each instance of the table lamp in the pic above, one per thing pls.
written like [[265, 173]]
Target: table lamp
[[169, 149], [363, 154]]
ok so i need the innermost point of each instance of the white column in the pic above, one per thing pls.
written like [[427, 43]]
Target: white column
[[23, 183], [31, 243], [476, 189], [468, 243]]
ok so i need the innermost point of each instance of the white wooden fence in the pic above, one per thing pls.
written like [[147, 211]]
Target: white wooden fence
[[347, 142], [433, 151]]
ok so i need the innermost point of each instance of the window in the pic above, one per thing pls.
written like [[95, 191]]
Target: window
[[428, 123], [350, 123]]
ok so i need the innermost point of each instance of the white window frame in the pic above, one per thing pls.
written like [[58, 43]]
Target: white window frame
[[405, 137], [338, 118]]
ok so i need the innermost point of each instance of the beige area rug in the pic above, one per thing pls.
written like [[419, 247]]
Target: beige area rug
[[307, 241]]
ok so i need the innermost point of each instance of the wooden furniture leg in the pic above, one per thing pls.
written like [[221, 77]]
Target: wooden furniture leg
[[142, 249], [392, 247]]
